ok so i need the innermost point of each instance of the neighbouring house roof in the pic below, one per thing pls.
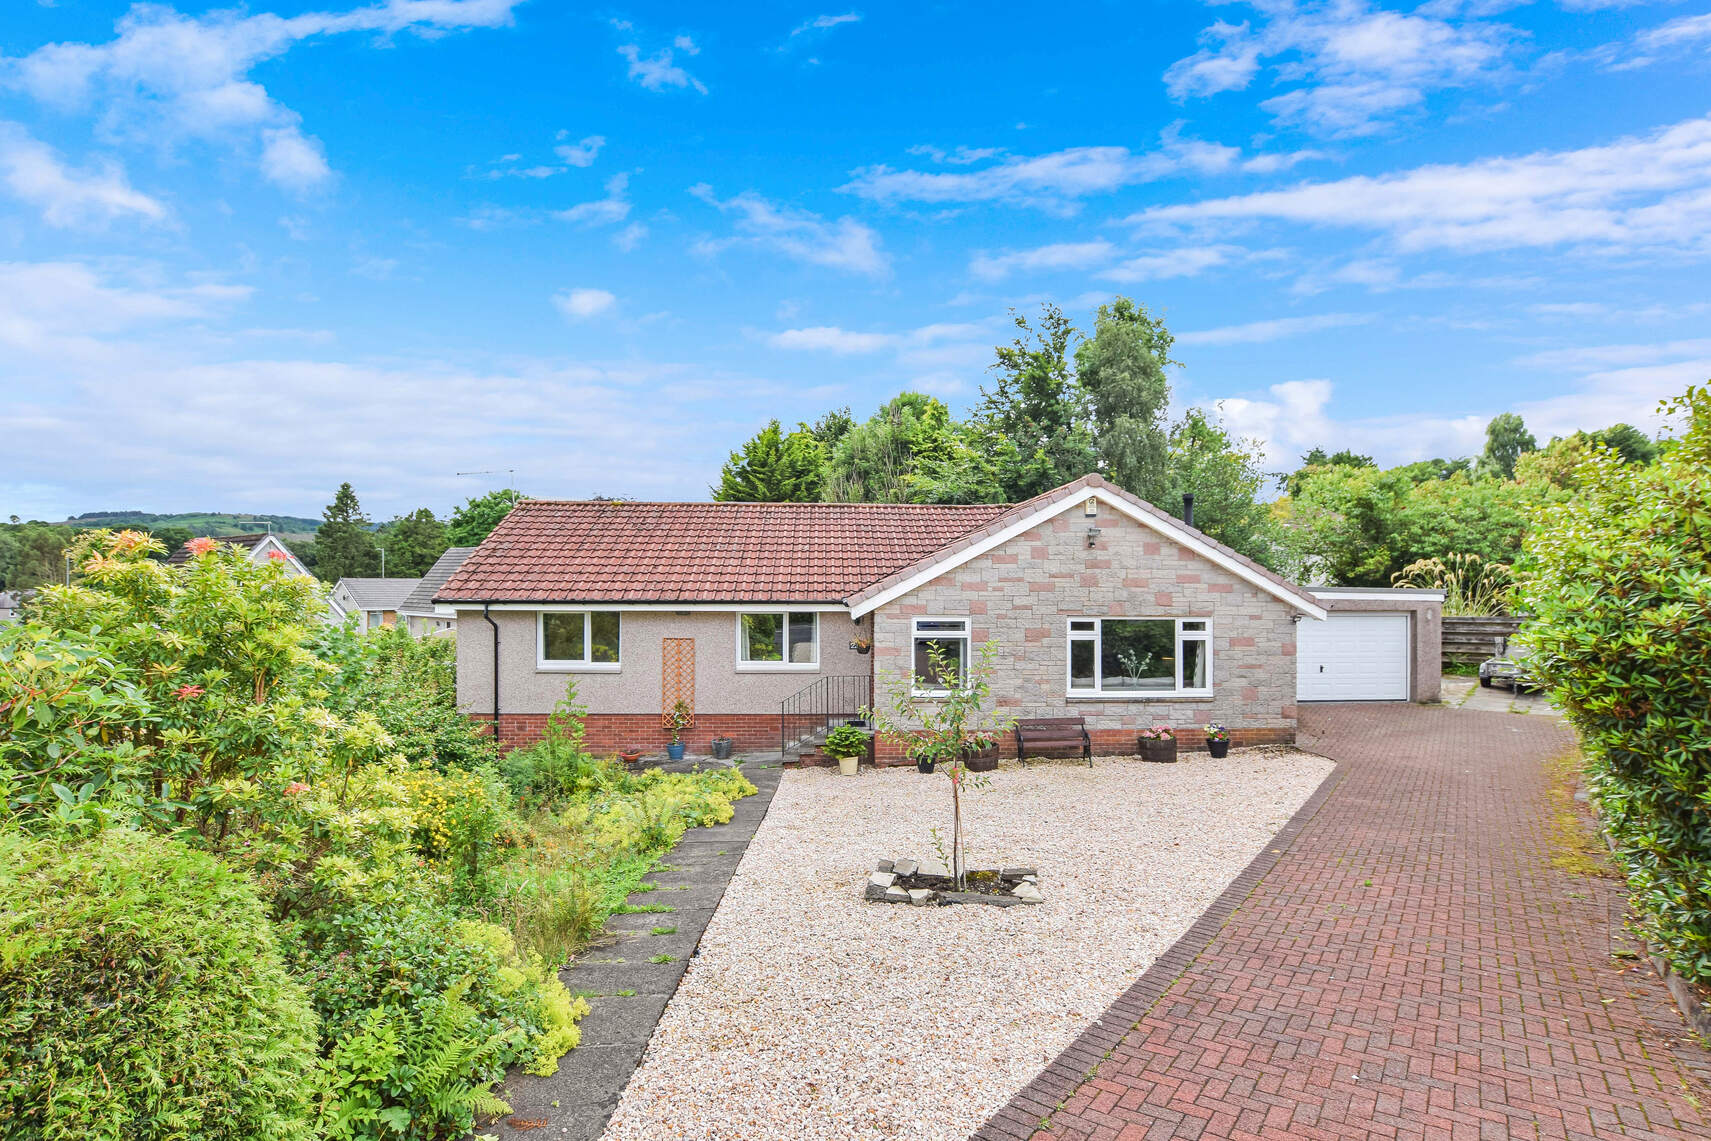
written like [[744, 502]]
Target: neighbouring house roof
[[421, 600], [604, 551], [1013, 520], [378, 593], [247, 542]]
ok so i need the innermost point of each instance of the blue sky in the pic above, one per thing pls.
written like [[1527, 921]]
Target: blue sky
[[248, 253]]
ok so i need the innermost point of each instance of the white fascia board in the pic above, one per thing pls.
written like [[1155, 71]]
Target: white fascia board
[[1381, 596], [666, 607], [1116, 503]]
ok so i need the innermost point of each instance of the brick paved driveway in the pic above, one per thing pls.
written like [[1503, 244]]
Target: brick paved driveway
[[1413, 966]]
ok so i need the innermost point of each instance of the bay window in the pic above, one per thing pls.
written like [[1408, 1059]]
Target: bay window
[[1140, 657], [577, 640]]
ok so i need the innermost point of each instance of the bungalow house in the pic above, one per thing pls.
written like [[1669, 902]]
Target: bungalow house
[[766, 618], [419, 610], [259, 548], [375, 601]]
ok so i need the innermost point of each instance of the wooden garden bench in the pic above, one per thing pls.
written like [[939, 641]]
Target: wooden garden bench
[[1037, 733]]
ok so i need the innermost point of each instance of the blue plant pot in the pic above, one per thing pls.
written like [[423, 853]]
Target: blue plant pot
[[675, 751]]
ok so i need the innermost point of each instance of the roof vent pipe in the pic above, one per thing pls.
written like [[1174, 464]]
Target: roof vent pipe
[[1188, 508]]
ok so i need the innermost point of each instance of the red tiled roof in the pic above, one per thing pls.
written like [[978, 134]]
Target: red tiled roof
[[605, 551]]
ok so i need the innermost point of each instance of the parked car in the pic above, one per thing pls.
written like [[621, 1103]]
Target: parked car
[[1508, 667]]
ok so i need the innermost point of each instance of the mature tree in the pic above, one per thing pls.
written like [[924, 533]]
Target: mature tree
[[1319, 458], [831, 427], [1224, 475], [1633, 445], [772, 467], [1423, 470], [33, 554], [344, 543], [880, 459], [412, 543], [1121, 370], [1506, 440], [1039, 407], [1557, 463], [475, 520]]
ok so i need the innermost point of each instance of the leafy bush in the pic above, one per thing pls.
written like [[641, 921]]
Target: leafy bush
[[558, 767], [845, 741], [143, 997], [1619, 581]]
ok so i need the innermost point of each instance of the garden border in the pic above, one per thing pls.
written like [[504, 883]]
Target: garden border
[[1031, 1109]]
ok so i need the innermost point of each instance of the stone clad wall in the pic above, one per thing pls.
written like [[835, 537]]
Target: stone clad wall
[[1023, 593]]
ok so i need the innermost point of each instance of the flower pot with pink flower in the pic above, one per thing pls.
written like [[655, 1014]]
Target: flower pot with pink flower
[[1217, 740], [1158, 744]]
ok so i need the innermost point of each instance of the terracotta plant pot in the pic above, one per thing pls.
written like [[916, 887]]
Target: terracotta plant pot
[[1218, 748], [629, 756], [1160, 751]]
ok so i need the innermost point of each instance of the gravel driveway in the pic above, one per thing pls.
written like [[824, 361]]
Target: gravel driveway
[[808, 1013]]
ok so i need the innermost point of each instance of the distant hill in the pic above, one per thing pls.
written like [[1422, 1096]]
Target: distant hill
[[215, 523]]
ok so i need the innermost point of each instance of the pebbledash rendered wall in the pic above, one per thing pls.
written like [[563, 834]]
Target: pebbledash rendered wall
[[1023, 593], [624, 705]]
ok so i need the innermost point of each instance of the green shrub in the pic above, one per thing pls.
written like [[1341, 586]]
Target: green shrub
[[1619, 581], [845, 741], [142, 997]]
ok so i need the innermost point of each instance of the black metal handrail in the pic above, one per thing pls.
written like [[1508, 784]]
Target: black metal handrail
[[833, 700]]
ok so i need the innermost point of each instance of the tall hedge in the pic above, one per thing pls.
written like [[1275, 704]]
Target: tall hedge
[[1619, 579], [142, 998]]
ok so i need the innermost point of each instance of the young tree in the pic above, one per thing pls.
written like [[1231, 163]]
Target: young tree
[[475, 520], [1121, 369], [1037, 404], [1225, 477], [413, 542], [344, 543], [1506, 440], [774, 468]]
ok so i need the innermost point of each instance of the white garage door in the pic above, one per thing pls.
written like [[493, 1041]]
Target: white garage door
[[1352, 657]]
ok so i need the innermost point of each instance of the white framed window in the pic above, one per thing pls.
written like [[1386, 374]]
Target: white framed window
[[950, 636], [778, 640], [577, 640], [373, 617], [1138, 658]]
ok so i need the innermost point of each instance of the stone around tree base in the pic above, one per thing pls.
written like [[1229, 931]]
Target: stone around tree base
[[925, 884]]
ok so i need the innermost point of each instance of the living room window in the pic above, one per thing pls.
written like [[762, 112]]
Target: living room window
[[779, 640], [1140, 657], [950, 636], [578, 640]]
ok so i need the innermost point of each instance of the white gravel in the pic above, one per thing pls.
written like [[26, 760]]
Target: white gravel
[[809, 1013]]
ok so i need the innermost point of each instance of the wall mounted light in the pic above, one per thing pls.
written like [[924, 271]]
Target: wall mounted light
[[1092, 537]]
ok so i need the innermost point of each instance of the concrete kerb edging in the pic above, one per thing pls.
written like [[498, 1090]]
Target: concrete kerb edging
[[1692, 1010], [1031, 1110]]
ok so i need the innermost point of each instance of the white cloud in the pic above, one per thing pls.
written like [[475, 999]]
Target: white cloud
[[830, 338], [1356, 65], [1053, 181], [35, 175], [845, 244], [824, 23], [1675, 37], [1640, 192], [962, 156], [657, 72], [165, 74], [581, 153], [1186, 261], [1258, 332], [1061, 255], [293, 160], [53, 308], [1608, 356], [630, 236], [581, 304], [1295, 419], [607, 211]]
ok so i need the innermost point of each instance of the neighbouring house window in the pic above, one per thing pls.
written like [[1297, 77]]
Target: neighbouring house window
[[579, 639], [1139, 657], [373, 618], [950, 636], [779, 640]]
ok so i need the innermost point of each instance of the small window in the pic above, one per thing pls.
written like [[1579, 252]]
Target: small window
[[1139, 657], [374, 617], [949, 637], [579, 639], [780, 640]]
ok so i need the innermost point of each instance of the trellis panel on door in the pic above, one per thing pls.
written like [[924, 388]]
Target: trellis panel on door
[[676, 678]]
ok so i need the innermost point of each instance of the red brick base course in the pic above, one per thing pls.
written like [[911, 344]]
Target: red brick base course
[[610, 732]]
